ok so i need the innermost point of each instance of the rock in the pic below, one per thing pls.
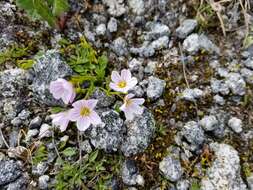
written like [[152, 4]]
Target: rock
[[35, 123], [112, 25], [134, 64], [156, 31], [183, 185], [249, 63], [12, 108], [9, 172], [224, 172], [194, 134], [219, 100], [219, 86], [48, 68], [160, 43], [103, 100], [101, 30], [21, 184], [209, 123], [130, 174], [236, 84], [186, 28], [40, 169], [250, 182], [45, 131], [223, 72], [30, 134], [116, 7], [192, 94], [235, 124], [137, 6], [193, 43], [151, 67], [119, 46], [108, 136], [155, 88], [43, 182], [140, 132], [171, 168], [85, 146], [137, 91], [248, 75]]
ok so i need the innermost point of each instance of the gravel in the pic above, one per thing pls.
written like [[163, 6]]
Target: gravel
[[209, 123], [186, 28], [9, 172], [236, 84], [35, 123], [119, 46], [191, 94], [116, 7], [155, 88], [137, 6], [101, 29], [43, 182], [112, 25], [235, 124]]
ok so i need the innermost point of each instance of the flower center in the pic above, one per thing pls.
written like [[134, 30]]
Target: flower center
[[85, 111], [122, 84]]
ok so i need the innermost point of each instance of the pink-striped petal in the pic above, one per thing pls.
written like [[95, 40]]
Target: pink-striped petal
[[115, 77], [83, 123], [94, 118], [132, 82], [126, 74], [74, 114], [138, 101], [91, 103]]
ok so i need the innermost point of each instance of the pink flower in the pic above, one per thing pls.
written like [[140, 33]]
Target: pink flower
[[62, 89], [84, 115], [123, 82], [61, 119], [132, 106]]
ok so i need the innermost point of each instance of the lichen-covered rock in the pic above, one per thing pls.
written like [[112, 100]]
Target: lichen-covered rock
[[130, 174], [235, 124], [155, 88], [192, 94], [194, 134], [225, 170], [186, 28], [119, 46], [21, 183], [209, 123], [139, 134], [115, 7], [109, 135], [247, 75], [137, 6], [171, 168], [236, 84], [9, 172], [48, 68], [103, 100]]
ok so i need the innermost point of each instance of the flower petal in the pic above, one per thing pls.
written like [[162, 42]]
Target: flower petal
[[129, 114], [129, 96], [91, 103], [132, 82], [74, 114], [83, 123], [78, 104], [94, 118], [137, 109], [126, 74], [138, 101], [115, 77]]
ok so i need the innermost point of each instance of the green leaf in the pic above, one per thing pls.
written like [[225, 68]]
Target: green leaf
[[44, 11], [59, 7], [93, 156], [25, 64], [56, 109], [69, 152], [195, 186]]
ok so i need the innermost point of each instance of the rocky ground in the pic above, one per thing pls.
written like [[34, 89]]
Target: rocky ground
[[197, 128]]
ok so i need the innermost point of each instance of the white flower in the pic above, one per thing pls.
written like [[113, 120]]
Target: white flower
[[123, 82], [132, 106], [61, 119]]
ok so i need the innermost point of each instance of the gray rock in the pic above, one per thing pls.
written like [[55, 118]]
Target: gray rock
[[250, 182], [171, 168], [137, 6], [209, 123], [9, 172], [45, 131], [195, 42], [223, 72], [224, 172], [43, 182], [155, 88], [103, 100], [183, 185], [119, 46], [108, 136], [191, 94], [112, 25], [219, 100], [48, 68], [219, 86], [144, 51], [30, 134], [235, 124], [85, 146], [16, 122], [130, 174], [186, 28], [134, 64], [137, 91], [116, 7], [247, 74], [11, 108], [236, 84], [35, 123], [21, 184], [101, 30], [40, 169], [160, 43], [156, 31], [194, 134], [249, 63], [140, 132], [151, 67]]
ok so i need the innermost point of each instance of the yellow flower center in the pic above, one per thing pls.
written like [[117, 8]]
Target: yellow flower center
[[122, 84], [85, 111]]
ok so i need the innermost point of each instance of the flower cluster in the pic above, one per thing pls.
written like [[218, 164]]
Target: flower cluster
[[82, 111]]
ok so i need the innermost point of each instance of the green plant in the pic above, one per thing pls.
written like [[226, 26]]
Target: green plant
[[40, 155], [48, 10], [89, 66], [95, 170]]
